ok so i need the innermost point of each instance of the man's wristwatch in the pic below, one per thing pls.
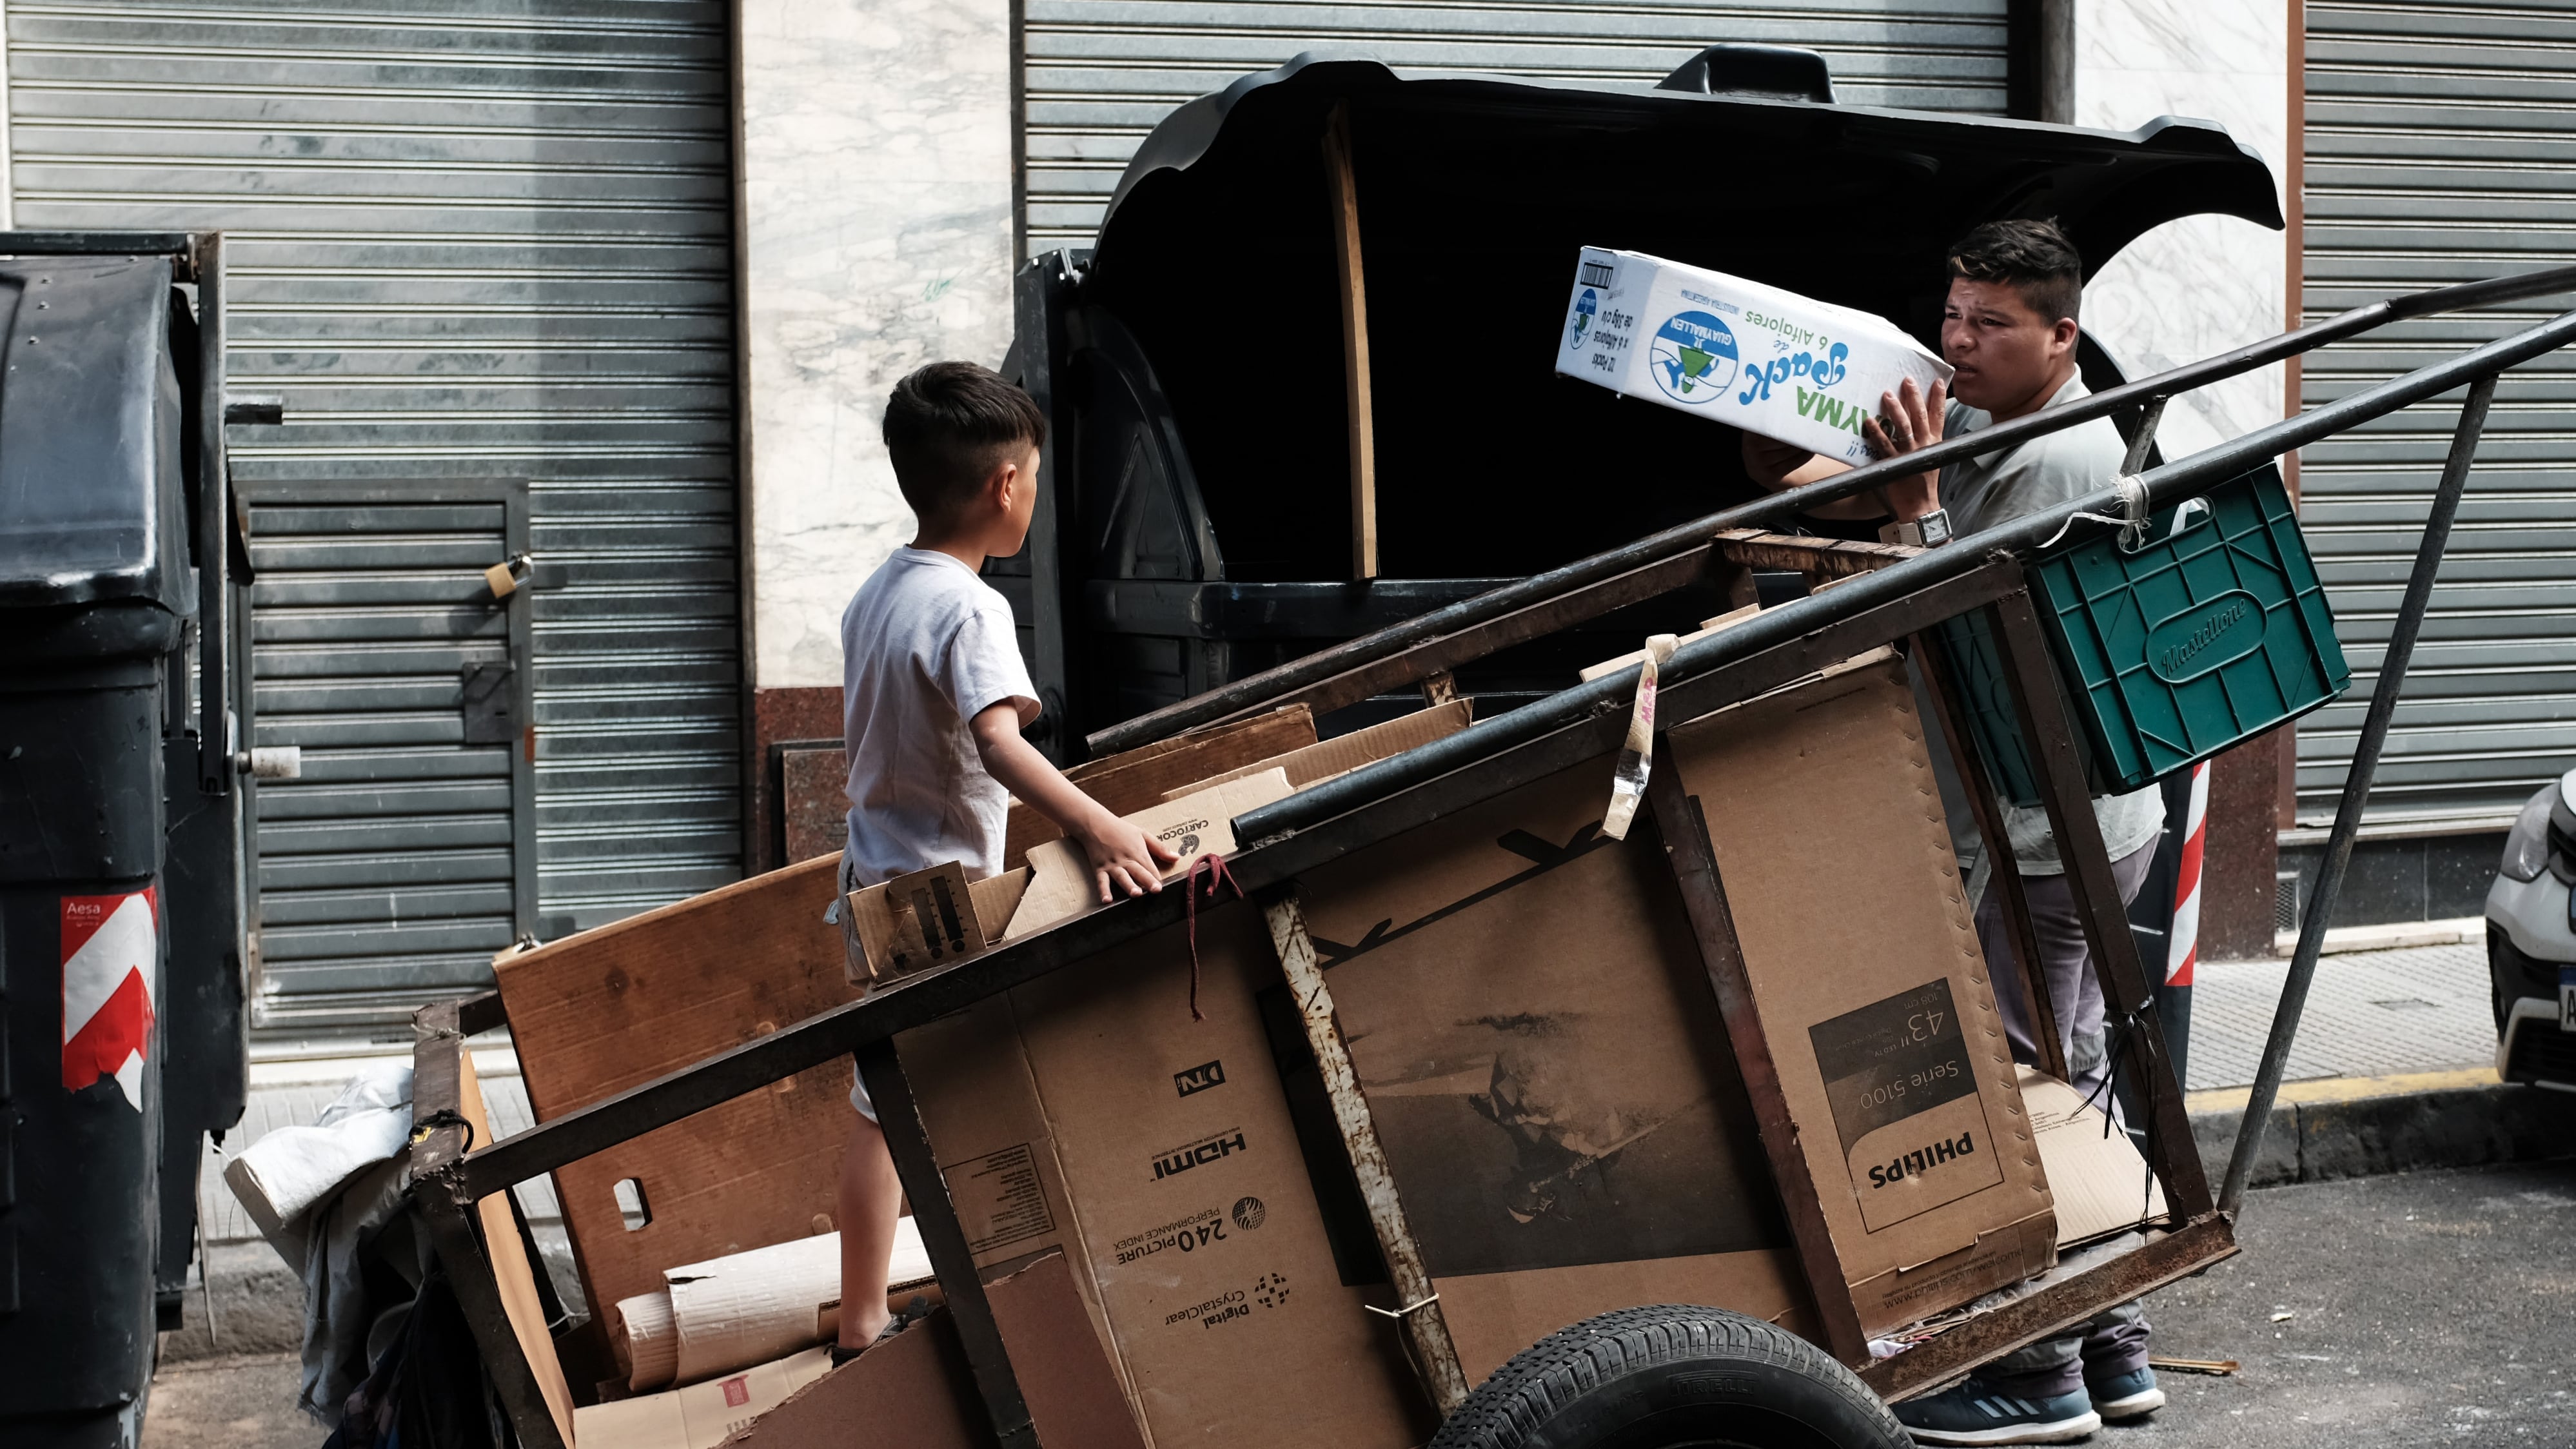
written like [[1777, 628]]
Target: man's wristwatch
[[1930, 531]]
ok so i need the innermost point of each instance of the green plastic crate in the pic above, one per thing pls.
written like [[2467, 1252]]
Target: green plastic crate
[[2213, 631]]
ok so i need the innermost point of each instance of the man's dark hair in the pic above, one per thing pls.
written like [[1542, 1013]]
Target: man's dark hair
[[946, 426], [2034, 258]]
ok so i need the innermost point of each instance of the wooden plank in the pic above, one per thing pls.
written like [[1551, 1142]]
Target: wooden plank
[[1693, 859], [1800, 554], [2020, 935], [2098, 907], [1435, 1357], [446, 1211], [916, 1165], [597, 1013], [1125, 784], [512, 1272], [1355, 340]]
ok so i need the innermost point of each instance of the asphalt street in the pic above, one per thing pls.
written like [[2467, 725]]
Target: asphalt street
[[2423, 1308]]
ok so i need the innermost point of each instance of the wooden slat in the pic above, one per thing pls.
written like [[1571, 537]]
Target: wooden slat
[[2020, 935], [1831, 558], [1426, 1329], [1693, 859], [2098, 907], [1355, 341]]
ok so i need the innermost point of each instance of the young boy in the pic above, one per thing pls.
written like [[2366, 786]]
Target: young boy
[[933, 697], [2009, 330]]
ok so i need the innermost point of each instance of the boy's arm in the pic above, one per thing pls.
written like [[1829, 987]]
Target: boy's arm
[[1120, 853]]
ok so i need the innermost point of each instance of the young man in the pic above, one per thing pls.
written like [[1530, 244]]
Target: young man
[[2009, 330], [934, 696]]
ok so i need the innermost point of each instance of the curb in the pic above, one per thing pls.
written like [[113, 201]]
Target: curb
[[2360, 1126]]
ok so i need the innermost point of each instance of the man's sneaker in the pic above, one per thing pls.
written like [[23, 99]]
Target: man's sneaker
[[1977, 1413], [2127, 1396]]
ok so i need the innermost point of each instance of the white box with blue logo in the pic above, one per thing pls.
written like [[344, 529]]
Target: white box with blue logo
[[1737, 352]]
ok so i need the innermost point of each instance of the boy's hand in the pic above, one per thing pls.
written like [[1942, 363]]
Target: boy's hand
[[1124, 856]]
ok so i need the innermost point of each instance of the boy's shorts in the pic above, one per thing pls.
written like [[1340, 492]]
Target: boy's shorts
[[858, 959]]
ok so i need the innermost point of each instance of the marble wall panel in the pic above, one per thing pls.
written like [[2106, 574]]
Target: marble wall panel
[[876, 235], [2202, 284]]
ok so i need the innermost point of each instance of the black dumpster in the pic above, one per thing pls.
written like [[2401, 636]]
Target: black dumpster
[[1195, 524], [104, 754]]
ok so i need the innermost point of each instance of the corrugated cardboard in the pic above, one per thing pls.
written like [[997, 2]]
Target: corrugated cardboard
[[1529, 1014], [1318, 762], [915, 1389], [1142, 777], [2100, 1181], [1199, 823], [1736, 351], [1871, 988], [1088, 1110], [963, 918], [1549, 1076], [714, 1317], [701, 1415]]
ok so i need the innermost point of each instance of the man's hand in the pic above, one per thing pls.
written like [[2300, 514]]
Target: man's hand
[[1771, 462], [1909, 420], [1123, 857]]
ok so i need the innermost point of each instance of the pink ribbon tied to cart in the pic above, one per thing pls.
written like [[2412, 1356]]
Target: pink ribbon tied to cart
[[1217, 879]]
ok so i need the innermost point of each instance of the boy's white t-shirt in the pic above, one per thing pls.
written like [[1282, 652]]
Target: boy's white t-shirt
[[925, 647]]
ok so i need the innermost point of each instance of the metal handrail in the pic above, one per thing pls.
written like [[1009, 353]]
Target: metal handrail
[[1252, 690]]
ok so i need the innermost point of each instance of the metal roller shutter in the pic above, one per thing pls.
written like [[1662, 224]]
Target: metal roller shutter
[[2441, 147], [1101, 73], [469, 240]]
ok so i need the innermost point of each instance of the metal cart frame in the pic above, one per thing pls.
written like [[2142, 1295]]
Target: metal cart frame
[[1892, 594]]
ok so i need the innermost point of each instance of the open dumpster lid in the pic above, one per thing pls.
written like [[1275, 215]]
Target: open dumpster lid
[[1474, 195], [90, 504]]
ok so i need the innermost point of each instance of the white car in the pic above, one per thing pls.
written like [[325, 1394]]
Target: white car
[[2531, 942]]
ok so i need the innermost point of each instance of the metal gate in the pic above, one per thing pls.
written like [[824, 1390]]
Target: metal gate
[[472, 241], [1100, 73], [2441, 146]]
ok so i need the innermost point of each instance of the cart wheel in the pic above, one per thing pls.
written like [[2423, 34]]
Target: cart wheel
[[1669, 1376]]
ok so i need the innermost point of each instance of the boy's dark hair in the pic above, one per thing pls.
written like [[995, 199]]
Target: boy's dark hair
[[944, 427], [2034, 258]]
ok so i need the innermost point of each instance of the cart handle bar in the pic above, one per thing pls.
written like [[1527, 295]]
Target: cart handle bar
[[1776, 626], [1249, 692]]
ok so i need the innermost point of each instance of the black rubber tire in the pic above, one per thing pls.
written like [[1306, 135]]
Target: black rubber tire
[[1671, 1376]]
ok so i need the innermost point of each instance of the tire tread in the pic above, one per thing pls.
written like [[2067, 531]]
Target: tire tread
[[1549, 1376]]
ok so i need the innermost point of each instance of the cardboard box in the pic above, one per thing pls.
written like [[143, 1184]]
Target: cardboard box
[[1871, 988], [1342, 753], [1088, 1111], [1198, 823], [1529, 1017], [915, 1390], [2102, 1185], [701, 1415], [1736, 351]]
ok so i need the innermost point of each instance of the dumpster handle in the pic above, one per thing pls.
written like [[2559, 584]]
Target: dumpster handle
[[2356, 789]]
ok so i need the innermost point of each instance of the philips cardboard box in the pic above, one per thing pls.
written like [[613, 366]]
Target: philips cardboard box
[[1865, 967], [1736, 351]]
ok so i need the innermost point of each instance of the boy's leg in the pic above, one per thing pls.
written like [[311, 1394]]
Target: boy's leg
[[871, 1199], [870, 1195]]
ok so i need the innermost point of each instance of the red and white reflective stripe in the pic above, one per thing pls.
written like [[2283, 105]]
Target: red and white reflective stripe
[[2184, 949], [111, 945]]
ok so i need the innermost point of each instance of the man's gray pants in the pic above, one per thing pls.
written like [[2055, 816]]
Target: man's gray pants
[[2115, 1342]]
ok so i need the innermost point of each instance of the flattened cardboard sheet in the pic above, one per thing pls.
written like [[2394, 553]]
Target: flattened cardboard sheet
[[1871, 987]]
